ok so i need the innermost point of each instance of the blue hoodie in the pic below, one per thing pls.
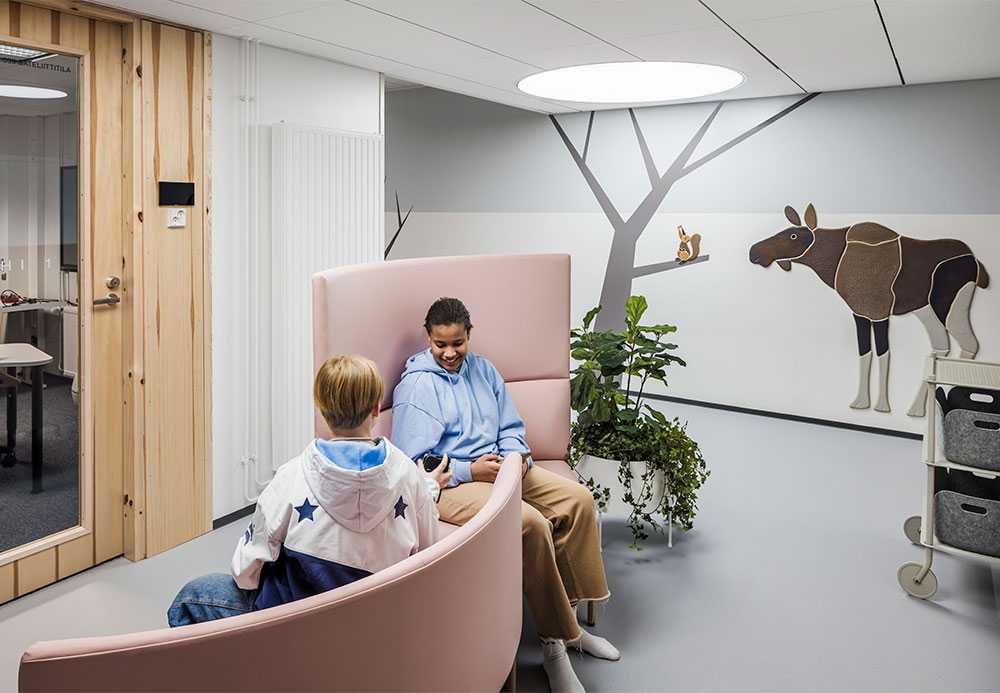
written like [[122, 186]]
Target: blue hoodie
[[463, 415]]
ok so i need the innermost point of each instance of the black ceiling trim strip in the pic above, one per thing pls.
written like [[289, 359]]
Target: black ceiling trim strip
[[902, 81], [580, 28], [759, 51]]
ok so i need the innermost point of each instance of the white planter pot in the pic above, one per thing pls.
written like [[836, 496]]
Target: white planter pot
[[605, 472]]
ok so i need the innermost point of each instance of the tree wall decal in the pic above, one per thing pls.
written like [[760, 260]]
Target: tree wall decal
[[621, 269]]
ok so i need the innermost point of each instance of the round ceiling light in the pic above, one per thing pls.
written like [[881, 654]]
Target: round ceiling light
[[17, 91], [631, 82]]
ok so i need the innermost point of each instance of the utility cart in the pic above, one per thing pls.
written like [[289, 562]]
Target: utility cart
[[961, 511]]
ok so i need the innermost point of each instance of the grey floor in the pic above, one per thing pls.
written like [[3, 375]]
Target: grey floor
[[787, 583]]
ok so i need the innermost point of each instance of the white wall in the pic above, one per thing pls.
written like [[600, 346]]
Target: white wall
[[285, 88], [922, 160]]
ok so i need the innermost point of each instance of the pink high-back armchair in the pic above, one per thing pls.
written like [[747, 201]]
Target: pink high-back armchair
[[520, 315]]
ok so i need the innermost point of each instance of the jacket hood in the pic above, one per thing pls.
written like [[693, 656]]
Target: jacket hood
[[423, 362], [358, 500]]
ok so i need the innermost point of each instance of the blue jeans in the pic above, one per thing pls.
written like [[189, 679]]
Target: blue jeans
[[207, 598]]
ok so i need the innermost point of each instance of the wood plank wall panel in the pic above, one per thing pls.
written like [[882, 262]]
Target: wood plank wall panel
[[174, 284], [5, 17], [132, 304]]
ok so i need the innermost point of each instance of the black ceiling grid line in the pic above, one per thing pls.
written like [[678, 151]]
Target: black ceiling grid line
[[902, 81], [580, 28], [759, 51]]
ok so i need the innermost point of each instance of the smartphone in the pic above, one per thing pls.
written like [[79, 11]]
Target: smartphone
[[432, 461]]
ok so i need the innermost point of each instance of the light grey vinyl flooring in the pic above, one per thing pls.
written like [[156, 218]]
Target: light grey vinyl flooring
[[787, 583]]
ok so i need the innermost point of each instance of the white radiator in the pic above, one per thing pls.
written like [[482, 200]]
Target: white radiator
[[327, 210]]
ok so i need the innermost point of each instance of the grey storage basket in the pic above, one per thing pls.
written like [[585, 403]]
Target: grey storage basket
[[972, 438], [968, 522]]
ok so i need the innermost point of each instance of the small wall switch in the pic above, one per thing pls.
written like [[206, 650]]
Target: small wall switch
[[176, 218]]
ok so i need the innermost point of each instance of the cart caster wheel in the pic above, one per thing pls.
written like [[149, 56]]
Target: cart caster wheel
[[911, 528], [924, 589]]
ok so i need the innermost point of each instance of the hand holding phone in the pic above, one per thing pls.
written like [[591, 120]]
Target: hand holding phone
[[431, 462]]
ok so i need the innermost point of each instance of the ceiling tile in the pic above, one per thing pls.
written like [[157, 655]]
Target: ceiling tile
[[841, 48], [509, 27], [406, 71], [362, 29], [185, 14], [255, 10], [941, 41], [615, 20], [732, 10]]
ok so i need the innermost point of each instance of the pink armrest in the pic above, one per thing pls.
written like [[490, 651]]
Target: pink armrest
[[421, 625]]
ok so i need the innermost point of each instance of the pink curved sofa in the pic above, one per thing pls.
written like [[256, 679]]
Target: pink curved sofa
[[391, 631], [520, 315]]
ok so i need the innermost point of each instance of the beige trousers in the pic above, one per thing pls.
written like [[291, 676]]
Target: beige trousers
[[562, 562]]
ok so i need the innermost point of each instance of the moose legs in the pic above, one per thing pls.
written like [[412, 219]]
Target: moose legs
[[940, 345], [865, 327]]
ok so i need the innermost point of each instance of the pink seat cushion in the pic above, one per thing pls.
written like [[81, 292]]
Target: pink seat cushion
[[445, 528]]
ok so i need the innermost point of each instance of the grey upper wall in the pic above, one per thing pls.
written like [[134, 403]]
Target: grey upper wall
[[917, 149]]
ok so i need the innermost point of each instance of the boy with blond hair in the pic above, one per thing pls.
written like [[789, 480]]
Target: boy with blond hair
[[343, 509]]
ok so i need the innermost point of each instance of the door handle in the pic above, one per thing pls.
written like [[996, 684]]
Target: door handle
[[109, 300]]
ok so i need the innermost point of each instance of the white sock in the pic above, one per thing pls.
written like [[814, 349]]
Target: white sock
[[595, 646], [562, 678]]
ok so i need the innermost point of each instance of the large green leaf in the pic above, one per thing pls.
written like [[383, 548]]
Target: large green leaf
[[635, 307], [589, 317]]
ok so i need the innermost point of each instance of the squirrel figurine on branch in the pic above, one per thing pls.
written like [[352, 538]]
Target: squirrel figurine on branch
[[689, 246]]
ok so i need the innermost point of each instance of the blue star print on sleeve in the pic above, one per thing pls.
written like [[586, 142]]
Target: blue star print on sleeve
[[306, 510], [401, 508]]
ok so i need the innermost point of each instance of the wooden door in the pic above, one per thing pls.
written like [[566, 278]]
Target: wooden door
[[103, 48]]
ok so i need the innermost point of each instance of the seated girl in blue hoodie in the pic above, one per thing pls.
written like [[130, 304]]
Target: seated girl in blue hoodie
[[454, 402], [345, 508]]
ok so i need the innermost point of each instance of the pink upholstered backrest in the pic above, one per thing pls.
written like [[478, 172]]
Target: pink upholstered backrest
[[396, 630], [520, 314]]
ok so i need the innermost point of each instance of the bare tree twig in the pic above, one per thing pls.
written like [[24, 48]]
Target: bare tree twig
[[402, 222], [647, 156], [586, 144], [749, 133], [595, 187]]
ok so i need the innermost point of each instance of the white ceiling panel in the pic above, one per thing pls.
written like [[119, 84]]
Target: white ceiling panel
[[943, 40], [841, 48], [616, 20], [484, 47], [185, 14], [719, 46], [740, 10], [351, 25], [255, 10], [406, 71], [509, 27]]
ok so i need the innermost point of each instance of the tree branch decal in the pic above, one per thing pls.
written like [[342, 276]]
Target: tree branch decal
[[401, 220], [621, 270]]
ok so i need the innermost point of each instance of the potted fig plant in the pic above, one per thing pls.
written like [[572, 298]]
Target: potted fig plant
[[629, 454]]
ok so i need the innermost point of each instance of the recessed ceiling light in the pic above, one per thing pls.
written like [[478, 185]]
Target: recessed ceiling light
[[18, 53], [631, 82], [16, 91]]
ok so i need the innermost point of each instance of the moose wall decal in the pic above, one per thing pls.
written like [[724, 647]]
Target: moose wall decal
[[879, 274]]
